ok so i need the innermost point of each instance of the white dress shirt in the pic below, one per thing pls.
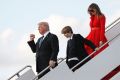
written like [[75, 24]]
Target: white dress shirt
[[45, 34]]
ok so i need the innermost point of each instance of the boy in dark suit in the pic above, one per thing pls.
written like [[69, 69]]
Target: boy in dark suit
[[75, 48], [46, 48]]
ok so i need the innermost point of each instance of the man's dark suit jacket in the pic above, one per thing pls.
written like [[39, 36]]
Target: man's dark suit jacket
[[75, 47], [47, 51]]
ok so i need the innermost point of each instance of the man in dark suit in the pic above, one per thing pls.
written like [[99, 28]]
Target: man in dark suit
[[75, 48], [46, 48]]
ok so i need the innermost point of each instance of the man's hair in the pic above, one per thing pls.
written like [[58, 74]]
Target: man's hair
[[45, 24], [67, 29]]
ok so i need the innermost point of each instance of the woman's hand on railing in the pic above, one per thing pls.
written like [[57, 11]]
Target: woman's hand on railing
[[96, 49], [100, 43]]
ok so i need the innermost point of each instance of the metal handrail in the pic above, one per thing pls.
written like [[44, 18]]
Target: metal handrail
[[36, 77], [60, 59], [112, 26], [94, 52], [113, 22], [48, 67], [17, 73]]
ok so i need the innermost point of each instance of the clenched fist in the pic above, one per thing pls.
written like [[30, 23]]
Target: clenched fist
[[32, 37]]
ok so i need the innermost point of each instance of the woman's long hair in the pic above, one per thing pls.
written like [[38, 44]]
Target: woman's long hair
[[96, 7]]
